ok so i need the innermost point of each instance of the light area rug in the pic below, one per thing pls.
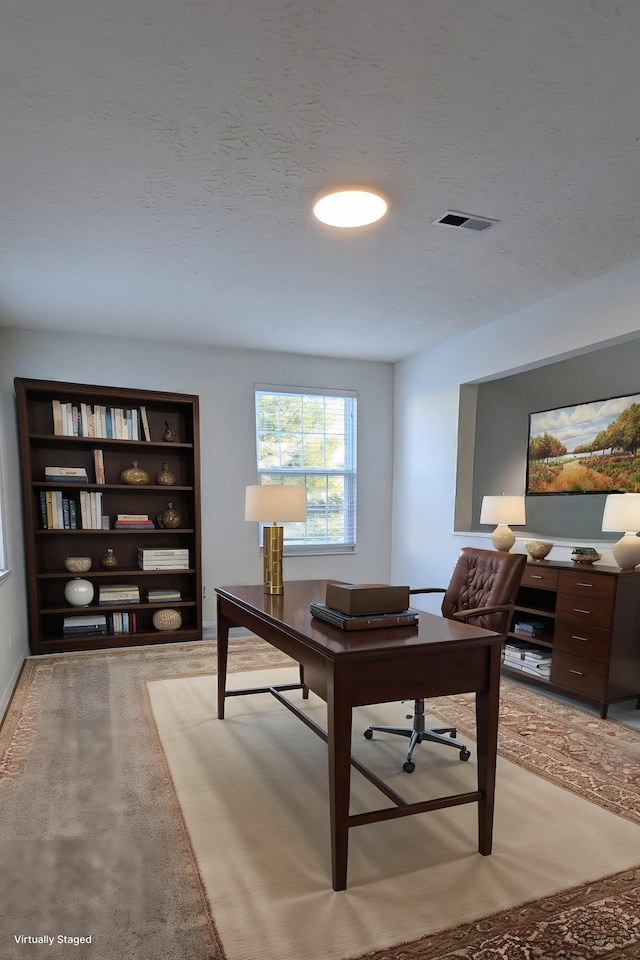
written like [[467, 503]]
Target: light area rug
[[253, 794]]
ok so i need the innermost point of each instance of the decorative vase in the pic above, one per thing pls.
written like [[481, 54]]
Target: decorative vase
[[109, 561], [78, 592], [77, 564], [167, 619], [164, 477], [170, 518], [169, 434], [135, 475]]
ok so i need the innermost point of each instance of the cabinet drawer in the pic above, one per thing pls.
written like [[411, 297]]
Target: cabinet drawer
[[578, 674], [535, 575], [583, 583], [582, 640], [597, 613]]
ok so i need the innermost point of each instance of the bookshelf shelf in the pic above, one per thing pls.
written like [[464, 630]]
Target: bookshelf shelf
[[74, 524]]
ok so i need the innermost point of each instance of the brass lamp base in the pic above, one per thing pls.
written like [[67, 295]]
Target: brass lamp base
[[273, 540]]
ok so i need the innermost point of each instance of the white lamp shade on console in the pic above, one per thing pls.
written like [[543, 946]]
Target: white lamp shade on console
[[270, 504], [622, 512], [503, 511]]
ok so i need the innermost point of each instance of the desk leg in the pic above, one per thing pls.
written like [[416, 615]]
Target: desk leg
[[339, 743], [223, 649], [487, 709]]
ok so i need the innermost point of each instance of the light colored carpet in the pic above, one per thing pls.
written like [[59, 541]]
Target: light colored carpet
[[253, 793]]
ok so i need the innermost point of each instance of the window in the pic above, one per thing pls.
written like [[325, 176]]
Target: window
[[308, 437]]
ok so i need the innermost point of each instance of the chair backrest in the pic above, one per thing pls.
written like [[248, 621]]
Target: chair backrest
[[482, 578]]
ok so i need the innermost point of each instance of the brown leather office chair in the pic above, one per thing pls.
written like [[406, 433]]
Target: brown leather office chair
[[482, 591]]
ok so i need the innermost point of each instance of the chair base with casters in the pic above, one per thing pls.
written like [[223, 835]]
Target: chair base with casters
[[482, 591], [418, 733]]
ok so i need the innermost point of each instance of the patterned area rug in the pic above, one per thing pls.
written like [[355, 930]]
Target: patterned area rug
[[599, 760]]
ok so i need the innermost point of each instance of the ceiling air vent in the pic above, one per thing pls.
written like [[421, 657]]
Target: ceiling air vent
[[453, 218]]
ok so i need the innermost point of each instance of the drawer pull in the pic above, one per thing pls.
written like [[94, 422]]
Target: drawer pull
[[536, 576], [578, 673], [583, 639], [578, 610], [584, 584]]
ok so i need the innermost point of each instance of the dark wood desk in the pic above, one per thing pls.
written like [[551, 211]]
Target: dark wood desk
[[351, 669]]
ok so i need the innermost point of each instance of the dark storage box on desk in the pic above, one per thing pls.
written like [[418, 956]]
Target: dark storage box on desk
[[364, 599]]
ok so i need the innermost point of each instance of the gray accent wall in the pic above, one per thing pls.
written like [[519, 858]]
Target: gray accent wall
[[502, 408]]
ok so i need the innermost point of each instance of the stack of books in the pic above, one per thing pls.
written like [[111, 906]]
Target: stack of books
[[161, 596], [526, 657], [113, 593], [134, 521], [532, 628], [375, 621], [84, 626], [163, 559], [66, 475]]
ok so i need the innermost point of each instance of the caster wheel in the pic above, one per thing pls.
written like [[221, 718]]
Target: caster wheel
[[409, 766], [464, 754], [368, 734]]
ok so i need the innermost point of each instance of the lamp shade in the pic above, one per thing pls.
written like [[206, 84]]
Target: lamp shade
[[275, 503], [503, 510], [622, 512]]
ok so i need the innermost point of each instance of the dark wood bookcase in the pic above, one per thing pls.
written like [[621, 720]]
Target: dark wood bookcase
[[47, 548]]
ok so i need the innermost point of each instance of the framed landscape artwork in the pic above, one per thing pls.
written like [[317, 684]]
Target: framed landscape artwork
[[590, 447]]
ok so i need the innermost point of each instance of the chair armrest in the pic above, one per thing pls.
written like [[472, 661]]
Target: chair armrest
[[479, 611], [429, 590]]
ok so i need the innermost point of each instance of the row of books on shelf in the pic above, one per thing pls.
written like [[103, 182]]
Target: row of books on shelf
[[526, 657], [159, 559], [61, 513], [124, 621], [114, 593], [98, 420]]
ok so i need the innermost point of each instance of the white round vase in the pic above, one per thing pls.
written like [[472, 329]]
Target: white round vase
[[78, 592]]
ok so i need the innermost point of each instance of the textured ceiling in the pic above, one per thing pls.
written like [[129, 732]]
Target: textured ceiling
[[159, 159]]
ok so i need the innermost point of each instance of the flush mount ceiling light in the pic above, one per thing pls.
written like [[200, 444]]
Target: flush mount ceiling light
[[349, 207]]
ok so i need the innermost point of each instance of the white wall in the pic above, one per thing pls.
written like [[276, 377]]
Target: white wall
[[224, 380], [427, 387]]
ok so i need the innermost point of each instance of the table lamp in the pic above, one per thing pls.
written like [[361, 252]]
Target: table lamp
[[622, 512], [270, 504], [503, 511]]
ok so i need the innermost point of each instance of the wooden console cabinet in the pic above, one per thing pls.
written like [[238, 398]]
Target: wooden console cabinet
[[591, 618], [124, 427]]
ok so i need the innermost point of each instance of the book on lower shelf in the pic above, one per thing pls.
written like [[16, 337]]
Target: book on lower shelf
[[406, 618], [134, 525], [84, 626], [160, 596], [533, 628], [122, 622], [526, 657]]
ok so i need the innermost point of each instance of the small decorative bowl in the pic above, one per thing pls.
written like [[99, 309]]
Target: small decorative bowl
[[167, 619], [78, 564], [585, 555], [537, 549]]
